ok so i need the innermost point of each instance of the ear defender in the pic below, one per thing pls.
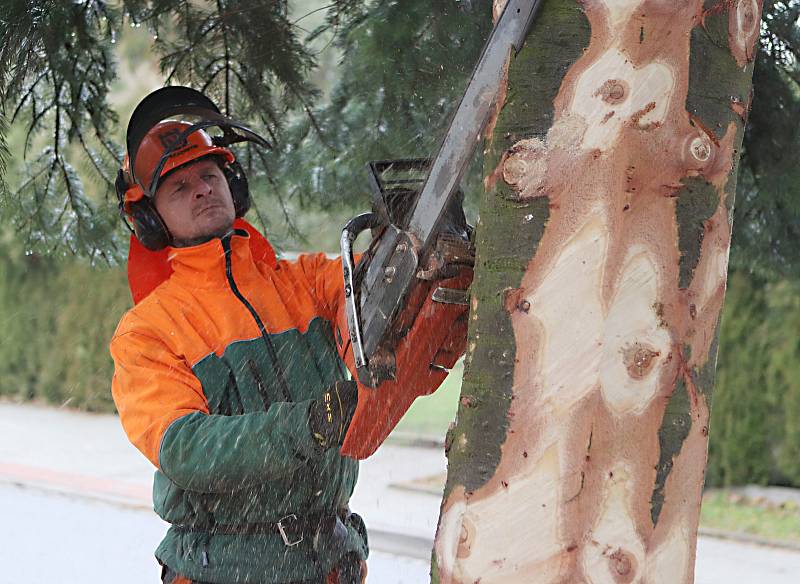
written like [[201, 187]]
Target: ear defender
[[240, 191], [148, 225]]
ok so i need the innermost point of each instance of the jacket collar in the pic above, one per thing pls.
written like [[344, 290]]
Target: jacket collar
[[205, 265]]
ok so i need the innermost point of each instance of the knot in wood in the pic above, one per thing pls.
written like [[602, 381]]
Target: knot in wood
[[700, 149], [465, 538], [746, 16], [622, 565], [525, 165], [514, 170], [639, 360], [613, 91], [743, 28]]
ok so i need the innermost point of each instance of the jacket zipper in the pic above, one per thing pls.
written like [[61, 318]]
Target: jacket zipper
[[273, 355]]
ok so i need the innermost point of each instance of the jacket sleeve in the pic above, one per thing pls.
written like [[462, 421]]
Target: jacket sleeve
[[324, 279], [165, 415]]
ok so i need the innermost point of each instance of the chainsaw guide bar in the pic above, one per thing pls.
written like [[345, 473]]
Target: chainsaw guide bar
[[406, 252]]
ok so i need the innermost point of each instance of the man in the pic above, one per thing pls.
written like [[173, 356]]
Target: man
[[229, 380]]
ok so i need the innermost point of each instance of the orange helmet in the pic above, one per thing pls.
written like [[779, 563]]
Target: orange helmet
[[165, 147], [158, 144]]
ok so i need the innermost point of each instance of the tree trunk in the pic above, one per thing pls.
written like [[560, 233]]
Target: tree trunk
[[580, 446]]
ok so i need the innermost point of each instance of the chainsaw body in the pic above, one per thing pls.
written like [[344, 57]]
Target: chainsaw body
[[395, 188], [417, 207]]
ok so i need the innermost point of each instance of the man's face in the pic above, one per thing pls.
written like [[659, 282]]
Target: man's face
[[195, 203]]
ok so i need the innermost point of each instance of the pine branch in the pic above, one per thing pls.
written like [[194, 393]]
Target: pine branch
[[403, 64]]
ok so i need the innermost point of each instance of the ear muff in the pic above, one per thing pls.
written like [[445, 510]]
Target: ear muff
[[240, 191], [148, 226]]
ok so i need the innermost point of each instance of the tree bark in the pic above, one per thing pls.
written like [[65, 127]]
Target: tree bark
[[580, 445]]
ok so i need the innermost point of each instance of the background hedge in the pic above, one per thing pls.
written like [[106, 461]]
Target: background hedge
[[58, 314], [755, 416]]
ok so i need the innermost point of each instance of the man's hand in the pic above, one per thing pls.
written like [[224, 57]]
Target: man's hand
[[330, 415]]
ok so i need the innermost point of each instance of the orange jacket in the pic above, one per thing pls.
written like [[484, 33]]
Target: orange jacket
[[194, 315], [215, 372]]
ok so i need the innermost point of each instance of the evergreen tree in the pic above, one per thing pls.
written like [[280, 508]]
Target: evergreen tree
[[767, 219], [403, 66], [56, 69]]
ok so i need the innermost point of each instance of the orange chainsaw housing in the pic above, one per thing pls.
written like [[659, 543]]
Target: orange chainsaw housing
[[434, 342]]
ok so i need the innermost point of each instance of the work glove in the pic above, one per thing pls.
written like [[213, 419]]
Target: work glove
[[329, 416]]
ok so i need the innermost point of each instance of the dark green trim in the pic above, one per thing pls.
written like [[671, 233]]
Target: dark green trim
[[675, 427], [697, 201]]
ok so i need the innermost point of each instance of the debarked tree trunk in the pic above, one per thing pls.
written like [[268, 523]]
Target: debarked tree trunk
[[580, 445]]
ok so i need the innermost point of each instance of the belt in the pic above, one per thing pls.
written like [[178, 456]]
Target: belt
[[292, 528]]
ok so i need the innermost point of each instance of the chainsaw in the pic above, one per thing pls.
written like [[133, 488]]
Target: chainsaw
[[420, 234]]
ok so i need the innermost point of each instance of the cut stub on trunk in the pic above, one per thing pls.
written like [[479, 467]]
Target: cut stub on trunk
[[580, 452]]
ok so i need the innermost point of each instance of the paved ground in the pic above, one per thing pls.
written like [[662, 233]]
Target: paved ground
[[87, 454], [75, 507], [726, 562], [66, 540]]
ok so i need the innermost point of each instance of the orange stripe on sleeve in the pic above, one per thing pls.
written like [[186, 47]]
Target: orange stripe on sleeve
[[152, 387]]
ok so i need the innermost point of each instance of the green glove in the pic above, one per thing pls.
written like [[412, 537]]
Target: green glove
[[330, 415]]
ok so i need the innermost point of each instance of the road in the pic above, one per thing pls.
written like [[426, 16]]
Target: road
[[48, 538]]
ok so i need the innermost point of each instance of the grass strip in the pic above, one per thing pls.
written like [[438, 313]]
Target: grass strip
[[731, 512]]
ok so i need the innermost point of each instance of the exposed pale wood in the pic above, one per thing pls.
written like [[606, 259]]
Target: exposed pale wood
[[609, 342]]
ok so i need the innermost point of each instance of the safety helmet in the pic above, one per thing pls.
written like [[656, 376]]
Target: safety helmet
[[163, 139], [156, 146]]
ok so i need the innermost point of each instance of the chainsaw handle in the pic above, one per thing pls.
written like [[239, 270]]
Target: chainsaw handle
[[350, 232]]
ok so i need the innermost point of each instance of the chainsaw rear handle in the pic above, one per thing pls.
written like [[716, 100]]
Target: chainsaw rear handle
[[351, 231]]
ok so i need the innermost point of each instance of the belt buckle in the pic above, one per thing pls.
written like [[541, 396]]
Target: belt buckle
[[283, 531]]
